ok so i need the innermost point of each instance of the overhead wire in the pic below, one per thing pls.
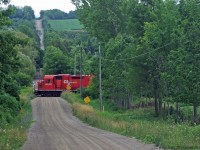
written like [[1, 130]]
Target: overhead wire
[[124, 59], [136, 34]]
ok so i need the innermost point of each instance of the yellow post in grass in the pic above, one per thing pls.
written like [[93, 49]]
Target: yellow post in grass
[[68, 88], [87, 100]]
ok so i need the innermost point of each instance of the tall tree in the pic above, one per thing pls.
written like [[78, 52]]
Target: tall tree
[[157, 42], [183, 62], [55, 62], [101, 19]]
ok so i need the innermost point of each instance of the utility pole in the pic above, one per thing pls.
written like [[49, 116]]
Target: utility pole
[[81, 73], [75, 64], [100, 87]]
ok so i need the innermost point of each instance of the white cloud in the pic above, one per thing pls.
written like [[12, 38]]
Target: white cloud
[[64, 5]]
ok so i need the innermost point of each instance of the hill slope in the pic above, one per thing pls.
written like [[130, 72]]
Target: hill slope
[[65, 25]]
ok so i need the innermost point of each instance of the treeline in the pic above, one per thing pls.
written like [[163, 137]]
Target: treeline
[[25, 12], [56, 14], [150, 49], [19, 54]]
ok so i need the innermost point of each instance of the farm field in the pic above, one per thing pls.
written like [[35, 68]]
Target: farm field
[[65, 25]]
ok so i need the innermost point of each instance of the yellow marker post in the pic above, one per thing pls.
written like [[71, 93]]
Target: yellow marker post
[[68, 88], [87, 100]]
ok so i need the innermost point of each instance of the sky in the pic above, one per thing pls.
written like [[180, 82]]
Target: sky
[[37, 5]]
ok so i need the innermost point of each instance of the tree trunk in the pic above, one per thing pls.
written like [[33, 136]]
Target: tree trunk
[[164, 106], [195, 105], [146, 102], [129, 101], [177, 111], [156, 97], [160, 107], [168, 110]]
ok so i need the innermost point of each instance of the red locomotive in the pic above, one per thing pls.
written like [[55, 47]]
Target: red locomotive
[[53, 85]]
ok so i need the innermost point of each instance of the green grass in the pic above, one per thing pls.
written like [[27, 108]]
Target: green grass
[[14, 134], [139, 123], [65, 25]]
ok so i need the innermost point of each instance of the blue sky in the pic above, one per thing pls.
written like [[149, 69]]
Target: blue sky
[[37, 5]]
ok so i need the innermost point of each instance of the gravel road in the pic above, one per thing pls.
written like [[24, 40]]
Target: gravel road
[[55, 128], [40, 30]]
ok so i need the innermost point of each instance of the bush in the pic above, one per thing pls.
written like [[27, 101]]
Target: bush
[[12, 88], [186, 113], [92, 90], [85, 92], [9, 106], [14, 125], [23, 79]]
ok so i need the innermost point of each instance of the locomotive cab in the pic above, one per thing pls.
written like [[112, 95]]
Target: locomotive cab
[[47, 86], [48, 83]]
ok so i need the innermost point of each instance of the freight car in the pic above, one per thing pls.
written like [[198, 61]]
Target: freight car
[[53, 85]]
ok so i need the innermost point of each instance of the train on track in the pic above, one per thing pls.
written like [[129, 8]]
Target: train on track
[[54, 85]]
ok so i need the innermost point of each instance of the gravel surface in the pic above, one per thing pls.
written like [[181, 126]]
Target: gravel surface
[[40, 31], [55, 128]]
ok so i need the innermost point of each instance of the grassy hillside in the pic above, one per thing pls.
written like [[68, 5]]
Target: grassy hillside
[[67, 24]]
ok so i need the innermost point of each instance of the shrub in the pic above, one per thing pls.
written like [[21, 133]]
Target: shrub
[[23, 79], [93, 89], [9, 105], [12, 88]]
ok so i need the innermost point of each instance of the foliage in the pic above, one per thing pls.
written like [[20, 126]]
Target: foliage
[[9, 62], [27, 65], [92, 90], [27, 27], [22, 13], [23, 79], [53, 39], [25, 57], [14, 133], [151, 48], [24, 26], [71, 43], [102, 19], [17, 54], [54, 61], [4, 13], [9, 107]]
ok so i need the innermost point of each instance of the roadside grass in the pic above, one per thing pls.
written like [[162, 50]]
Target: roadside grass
[[138, 123], [14, 134], [65, 25]]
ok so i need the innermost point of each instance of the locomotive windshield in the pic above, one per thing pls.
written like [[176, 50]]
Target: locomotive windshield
[[59, 77]]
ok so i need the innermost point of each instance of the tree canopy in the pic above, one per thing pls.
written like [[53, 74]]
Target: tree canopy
[[152, 48]]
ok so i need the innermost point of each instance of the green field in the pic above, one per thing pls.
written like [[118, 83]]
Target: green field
[[65, 25]]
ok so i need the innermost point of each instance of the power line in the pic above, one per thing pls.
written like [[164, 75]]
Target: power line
[[138, 55]]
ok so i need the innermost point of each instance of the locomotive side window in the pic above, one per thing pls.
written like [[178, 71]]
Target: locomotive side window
[[76, 77], [48, 81]]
